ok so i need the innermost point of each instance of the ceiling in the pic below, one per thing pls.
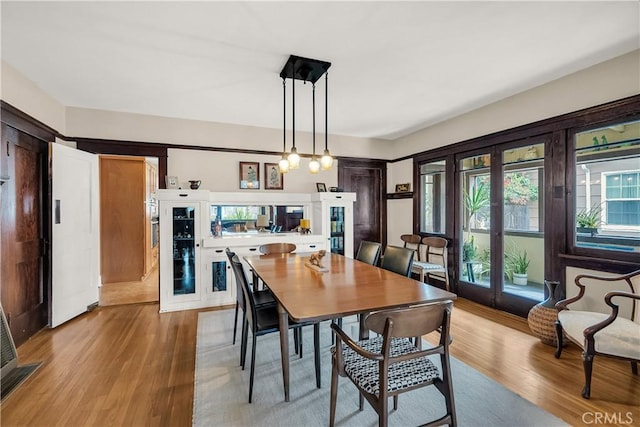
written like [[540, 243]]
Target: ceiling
[[397, 67]]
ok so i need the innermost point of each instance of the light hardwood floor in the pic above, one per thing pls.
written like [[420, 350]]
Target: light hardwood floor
[[146, 290], [130, 365]]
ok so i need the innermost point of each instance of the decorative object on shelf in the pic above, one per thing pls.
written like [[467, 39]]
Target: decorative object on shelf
[[305, 226], [171, 182], [262, 223], [401, 188], [321, 187], [307, 70], [249, 175], [273, 179], [542, 316], [336, 189], [194, 184]]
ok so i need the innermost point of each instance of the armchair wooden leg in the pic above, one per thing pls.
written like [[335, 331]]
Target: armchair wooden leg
[[395, 402], [361, 402], [587, 361], [559, 339], [383, 411]]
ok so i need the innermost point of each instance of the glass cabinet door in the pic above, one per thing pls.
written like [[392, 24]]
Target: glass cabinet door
[[336, 214], [184, 250]]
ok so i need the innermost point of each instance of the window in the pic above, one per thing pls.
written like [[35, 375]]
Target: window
[[432, 188], [622, 199], [607, 196]]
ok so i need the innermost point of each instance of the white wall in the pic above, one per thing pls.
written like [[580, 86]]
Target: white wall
[[399, 211], [23, 94], [219, 171], [608, 81]]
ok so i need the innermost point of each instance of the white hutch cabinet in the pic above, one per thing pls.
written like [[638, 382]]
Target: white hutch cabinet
[[196, 226], [335, 214]]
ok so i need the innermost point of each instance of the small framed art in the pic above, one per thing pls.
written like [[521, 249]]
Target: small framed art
[[402, 188], [249, 175], [171, 182], [321, 187], [273, 179]]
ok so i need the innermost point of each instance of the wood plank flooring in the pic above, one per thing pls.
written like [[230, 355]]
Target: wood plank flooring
[[130, 365], [146, 290]]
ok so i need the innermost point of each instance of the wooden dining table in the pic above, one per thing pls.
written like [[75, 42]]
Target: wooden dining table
[[347, 287]]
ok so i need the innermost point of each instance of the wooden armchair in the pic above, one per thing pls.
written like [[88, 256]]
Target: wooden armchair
[[391, 364], [603, 319]]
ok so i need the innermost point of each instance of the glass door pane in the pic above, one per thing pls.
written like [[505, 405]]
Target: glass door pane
[[475, 251], [336, 213], [184, 277], [523, 242]]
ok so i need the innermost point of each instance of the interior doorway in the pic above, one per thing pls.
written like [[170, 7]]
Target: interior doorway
[[129, 230]]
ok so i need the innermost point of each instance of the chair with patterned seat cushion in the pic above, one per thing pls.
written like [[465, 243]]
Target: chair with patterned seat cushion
[[435, 261], [391, 364], [606, 330]]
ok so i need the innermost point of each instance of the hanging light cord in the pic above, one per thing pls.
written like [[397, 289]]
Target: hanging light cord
[[313, 100], [326, 110], [284, 116]]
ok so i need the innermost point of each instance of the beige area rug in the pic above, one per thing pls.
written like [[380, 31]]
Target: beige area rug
[[222, 388]]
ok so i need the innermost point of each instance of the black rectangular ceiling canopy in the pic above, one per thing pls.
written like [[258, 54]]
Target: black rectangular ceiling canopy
[[305, 69]]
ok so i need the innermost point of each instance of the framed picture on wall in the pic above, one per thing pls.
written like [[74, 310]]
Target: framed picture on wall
[[249, 175], [171, 182], [401, 188], [321, 187], [273, 179]]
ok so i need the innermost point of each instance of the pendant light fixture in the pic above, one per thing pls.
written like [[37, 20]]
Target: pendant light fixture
[[326, 161], [314, 164], [283, 165], [307, 70]]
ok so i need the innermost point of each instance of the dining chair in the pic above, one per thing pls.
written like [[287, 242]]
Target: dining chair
[[435, 260], [397, 259], [261, 298], [369, 252], [277, 248], [390, 363], [265, 320], [411, 241], [602, 319]]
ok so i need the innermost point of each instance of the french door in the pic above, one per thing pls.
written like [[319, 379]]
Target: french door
[[500, 224]]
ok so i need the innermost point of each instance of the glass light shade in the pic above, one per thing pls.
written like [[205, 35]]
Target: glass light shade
[[326, 161], [294, 159], [314, 165], [283, 164]]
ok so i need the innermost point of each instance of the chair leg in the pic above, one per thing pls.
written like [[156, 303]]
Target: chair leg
[[296, 340], [316, 353], [360, 402], [634, 368], [382, 410], [245, 338], [334, 393], [253, 367], [235, 324], [395, 402], [559, 335], [587, 361], [300, 342]]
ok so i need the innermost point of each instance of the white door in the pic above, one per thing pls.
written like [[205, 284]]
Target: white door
[[75, 242]]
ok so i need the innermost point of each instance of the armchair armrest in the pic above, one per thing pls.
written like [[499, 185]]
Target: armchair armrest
[[591, 330]]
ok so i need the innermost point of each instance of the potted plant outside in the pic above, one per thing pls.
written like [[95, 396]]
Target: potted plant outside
[[516, 264], [474, 201], [588, 220]]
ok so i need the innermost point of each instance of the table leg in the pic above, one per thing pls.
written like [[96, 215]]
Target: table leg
[[284, 348], [364, 333]]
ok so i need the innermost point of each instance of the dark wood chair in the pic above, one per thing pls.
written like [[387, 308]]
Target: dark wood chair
[[277, 248], [369, 252], [397, 259], [261, 298], [391, 364], [262, 321], [611, 330]]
